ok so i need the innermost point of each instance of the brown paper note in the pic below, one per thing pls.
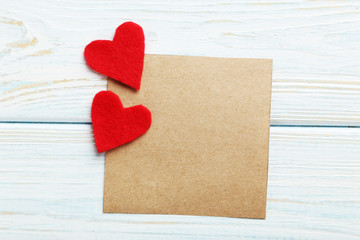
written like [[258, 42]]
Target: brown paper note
[[206, 152]]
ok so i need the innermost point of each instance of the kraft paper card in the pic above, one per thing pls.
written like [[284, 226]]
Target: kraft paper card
[[206, 152]]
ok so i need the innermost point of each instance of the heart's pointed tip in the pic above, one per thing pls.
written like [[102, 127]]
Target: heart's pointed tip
[[99, 146], [101, 150], [136, 87], [134, 84]]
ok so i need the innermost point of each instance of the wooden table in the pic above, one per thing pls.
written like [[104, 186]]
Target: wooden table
[[51, 178]]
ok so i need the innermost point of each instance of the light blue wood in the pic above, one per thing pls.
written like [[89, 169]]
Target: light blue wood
[[314, 45], [51, 186]]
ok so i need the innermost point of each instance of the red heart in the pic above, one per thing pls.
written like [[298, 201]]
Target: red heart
[[121, 59], [114, 125]]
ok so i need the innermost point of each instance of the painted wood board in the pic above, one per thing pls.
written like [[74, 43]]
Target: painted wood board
[[51, 186], [314, 44]]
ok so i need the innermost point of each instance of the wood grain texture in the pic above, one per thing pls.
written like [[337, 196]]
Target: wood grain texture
[[314, 44], [51, 187]]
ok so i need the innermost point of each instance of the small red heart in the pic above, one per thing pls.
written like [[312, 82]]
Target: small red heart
[[114, 125], [121, 59]]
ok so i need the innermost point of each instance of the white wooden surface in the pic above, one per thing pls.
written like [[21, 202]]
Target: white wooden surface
[[315, 46], [51, 178], [52, 183]]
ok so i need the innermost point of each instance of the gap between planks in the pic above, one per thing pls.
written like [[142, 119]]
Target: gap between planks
[[89, 123]]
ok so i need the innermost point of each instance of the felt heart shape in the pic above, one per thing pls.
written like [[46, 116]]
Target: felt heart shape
[[121, 59], [114, 125]]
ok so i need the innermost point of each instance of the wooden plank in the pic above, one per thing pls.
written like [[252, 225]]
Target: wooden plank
[[314, 44], [51, 186]]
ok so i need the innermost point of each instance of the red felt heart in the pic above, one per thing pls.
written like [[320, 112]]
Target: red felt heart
[[114, 125], [121, 59]]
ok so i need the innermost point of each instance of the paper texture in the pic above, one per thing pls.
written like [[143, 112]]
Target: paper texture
[[206, 152]]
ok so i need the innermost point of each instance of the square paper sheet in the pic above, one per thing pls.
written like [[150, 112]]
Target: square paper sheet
[[206, 152]]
